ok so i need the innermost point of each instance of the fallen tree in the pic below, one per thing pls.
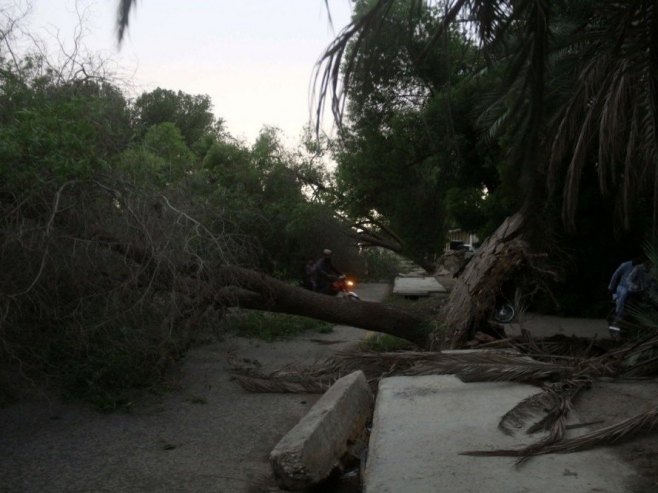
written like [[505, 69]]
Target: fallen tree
[[234, 286], [466, 310], [98, 273]]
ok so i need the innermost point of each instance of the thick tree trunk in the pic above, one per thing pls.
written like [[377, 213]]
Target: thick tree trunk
[[473, 296], [261, 292]]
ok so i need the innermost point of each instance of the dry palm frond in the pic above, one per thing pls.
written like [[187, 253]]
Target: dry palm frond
[[555, 421], [553, 404], [563, 346], [480, 365], [282, 385], [476, 366], [530, 372], [640, 359], [623, 430], [536, 404], [290, 379]]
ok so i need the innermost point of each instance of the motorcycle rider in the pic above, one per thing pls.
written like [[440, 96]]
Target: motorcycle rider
[[325, 272]]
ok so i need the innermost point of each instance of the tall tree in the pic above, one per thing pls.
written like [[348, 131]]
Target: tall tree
[[410, 136], [191, 114]]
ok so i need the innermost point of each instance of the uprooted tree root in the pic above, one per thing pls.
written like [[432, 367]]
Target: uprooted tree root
[[563, 367], [504, 256]]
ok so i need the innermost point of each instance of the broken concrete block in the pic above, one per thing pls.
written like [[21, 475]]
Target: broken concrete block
[[309, 452]]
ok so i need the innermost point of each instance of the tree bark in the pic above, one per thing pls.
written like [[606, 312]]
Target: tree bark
[[262, 292]]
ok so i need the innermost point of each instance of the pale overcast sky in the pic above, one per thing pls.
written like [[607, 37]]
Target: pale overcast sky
[[254, 58]]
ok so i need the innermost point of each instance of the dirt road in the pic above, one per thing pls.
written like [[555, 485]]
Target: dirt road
[[208, 436]]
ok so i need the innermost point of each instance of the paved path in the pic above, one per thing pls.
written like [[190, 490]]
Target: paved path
[[417, 286], [547, 325], [421, 425]]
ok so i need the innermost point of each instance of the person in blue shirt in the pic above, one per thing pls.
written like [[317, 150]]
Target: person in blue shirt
[[627, 280]]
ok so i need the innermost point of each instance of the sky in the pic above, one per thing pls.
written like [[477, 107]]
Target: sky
[[254, 58]]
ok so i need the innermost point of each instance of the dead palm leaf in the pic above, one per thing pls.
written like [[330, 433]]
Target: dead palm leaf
[[269, 384], [609, 435], [553, 405]]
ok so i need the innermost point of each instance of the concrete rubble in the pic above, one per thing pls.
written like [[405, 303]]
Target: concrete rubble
[[417, 286], [309, 452]]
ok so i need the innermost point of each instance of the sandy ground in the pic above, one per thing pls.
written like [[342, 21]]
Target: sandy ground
[[208, 436], [212, 436]]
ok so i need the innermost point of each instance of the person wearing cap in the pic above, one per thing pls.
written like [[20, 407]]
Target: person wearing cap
[[325, 272]]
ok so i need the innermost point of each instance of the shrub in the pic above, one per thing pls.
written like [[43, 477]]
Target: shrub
[[270, 326], [382, 265], [384, 343]]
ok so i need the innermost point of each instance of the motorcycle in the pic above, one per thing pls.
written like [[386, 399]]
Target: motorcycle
[[342, 286]]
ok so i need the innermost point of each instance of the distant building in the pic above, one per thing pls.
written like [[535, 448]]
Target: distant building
[[459, 239]]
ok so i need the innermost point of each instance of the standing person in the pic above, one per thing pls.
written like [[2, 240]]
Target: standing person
[[325, 272], [625, 280]]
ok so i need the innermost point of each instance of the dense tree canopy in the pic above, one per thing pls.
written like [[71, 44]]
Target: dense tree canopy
[[409, 147], [191, 114], [118, 218]]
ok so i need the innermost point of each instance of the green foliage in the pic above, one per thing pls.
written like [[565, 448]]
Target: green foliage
[[264, 185], [112, 365], [108, 212], [191, 114], [385, 343], [161, 158], [54, 132], [381, 265], [412, 151], [271, 327]]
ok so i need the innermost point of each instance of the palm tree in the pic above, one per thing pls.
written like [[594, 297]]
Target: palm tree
[[579, 89]]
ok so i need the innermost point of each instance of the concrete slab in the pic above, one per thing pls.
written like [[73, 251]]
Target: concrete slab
[[421, 424], [417, 286], [313, 448]]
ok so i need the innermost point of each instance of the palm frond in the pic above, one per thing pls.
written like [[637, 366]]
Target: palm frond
[[529, 408], [613, 88], [288, 379], [528, 373], [123, 17], [639, 424], [492, 365], [281, 385]]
